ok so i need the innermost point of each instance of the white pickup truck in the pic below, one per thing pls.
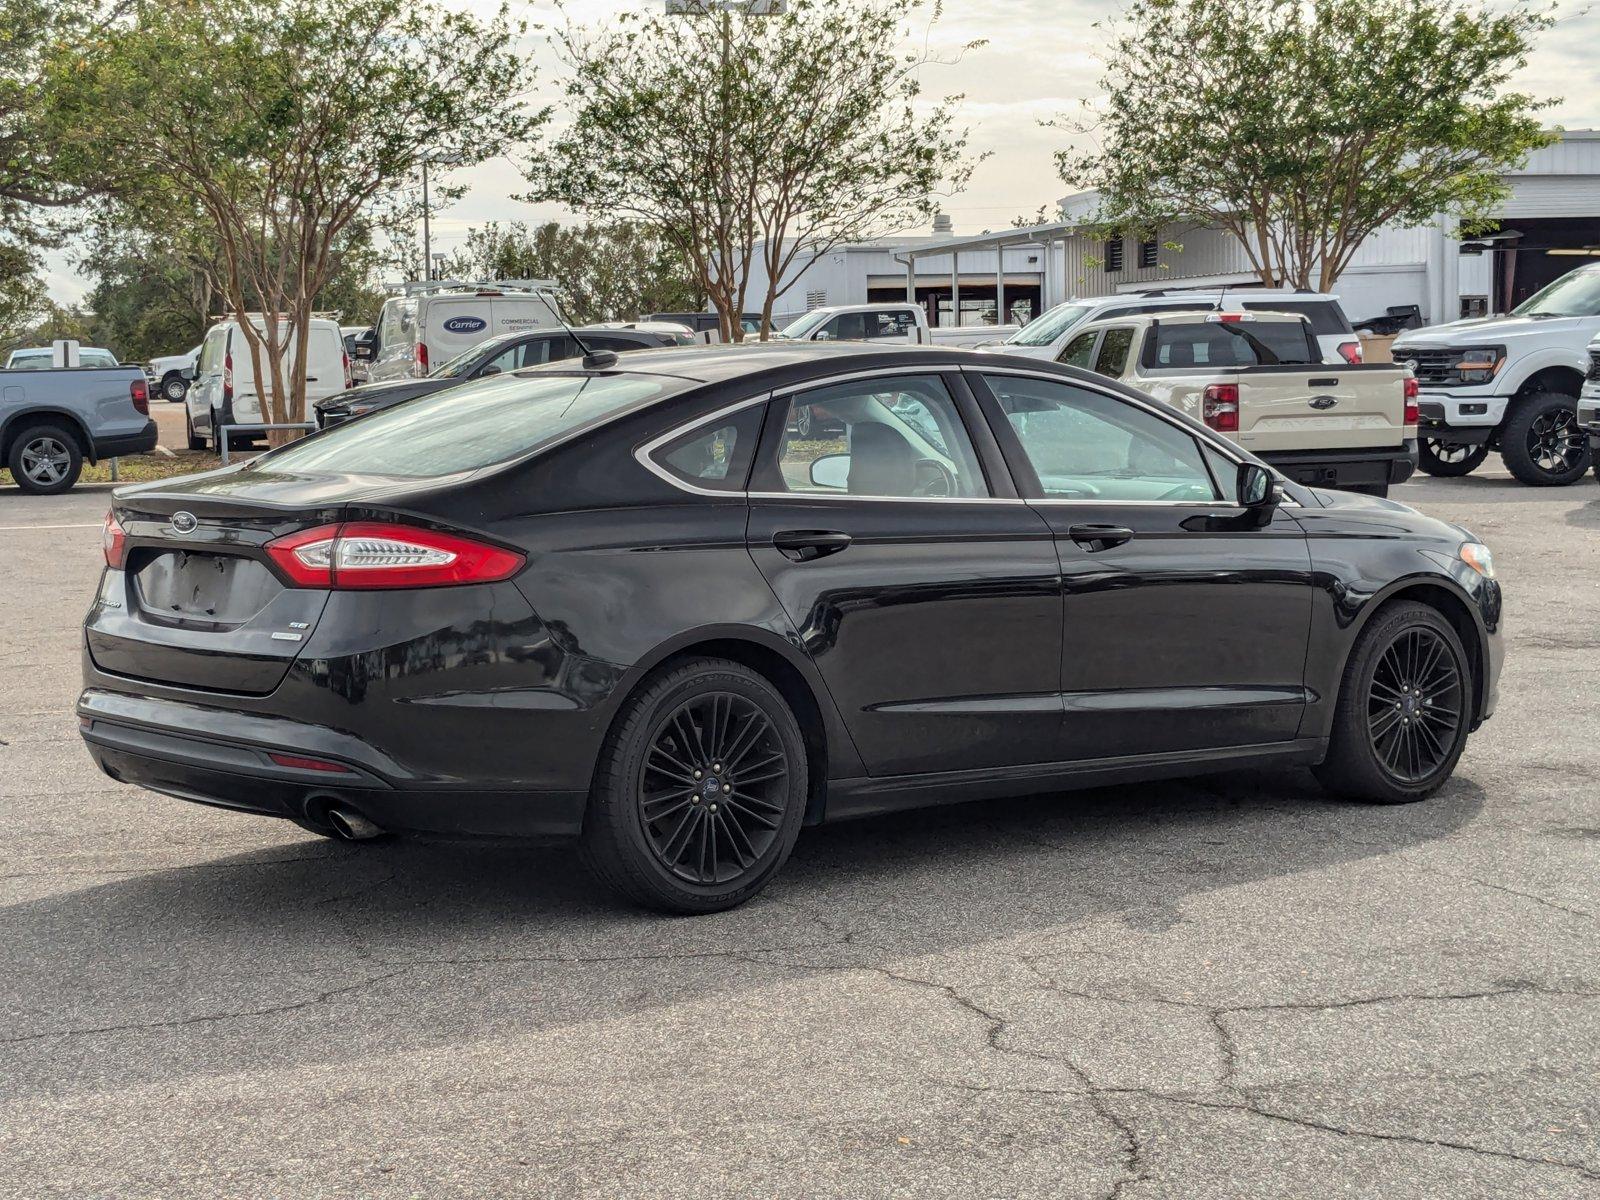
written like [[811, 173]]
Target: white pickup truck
[[1258, 379], [1509, 383], [886, 323], [1589, 405]]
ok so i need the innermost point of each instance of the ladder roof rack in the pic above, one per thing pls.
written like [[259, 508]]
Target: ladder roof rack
[[425, 287]]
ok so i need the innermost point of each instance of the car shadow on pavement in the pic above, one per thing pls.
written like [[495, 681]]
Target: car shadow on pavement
[[311, 952]]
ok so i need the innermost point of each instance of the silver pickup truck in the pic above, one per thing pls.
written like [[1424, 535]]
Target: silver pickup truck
[[54, 419]]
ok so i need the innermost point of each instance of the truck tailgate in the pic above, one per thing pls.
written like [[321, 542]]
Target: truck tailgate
[[1321, 407]]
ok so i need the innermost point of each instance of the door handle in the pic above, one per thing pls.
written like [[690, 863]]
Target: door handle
[[1100, 537], [803, 545]]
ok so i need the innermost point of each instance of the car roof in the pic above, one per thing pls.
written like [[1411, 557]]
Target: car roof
[[1184, 295], [1190, 317], [716, 364]]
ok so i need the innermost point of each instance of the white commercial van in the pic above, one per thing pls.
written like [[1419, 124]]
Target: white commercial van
[[225, 391], [432, 323]]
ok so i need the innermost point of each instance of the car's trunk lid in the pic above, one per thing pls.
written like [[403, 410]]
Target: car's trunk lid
[[198, 603]]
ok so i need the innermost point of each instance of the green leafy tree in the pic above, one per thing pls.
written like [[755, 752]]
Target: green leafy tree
[[1303, 126], [616, 269], [277, 126], [745, 137]]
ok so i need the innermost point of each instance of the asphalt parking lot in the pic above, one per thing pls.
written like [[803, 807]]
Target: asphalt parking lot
[[1219, 988]]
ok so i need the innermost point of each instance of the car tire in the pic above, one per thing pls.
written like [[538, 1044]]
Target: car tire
[[1450, 460], [174, 388], [676, 841], [191, 439], [1542, 443], [1404, 709], [214, 437], [45, 459]]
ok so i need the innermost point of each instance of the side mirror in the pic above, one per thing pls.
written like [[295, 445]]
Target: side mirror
[[823, 336], [363, 351], [1254, 487], [189, 374], [831, 471], [489, 370]]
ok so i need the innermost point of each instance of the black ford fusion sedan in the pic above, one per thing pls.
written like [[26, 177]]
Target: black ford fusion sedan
[[629, 603]]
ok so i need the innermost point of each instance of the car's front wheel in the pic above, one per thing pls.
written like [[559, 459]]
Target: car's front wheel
[[700, 790], [1404, 708], [1450, 460], [174, 387]]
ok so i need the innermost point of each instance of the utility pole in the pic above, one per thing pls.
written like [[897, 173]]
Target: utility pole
[[427, 244]]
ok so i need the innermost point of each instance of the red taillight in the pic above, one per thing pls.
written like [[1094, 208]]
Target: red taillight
[[367, 555], [1229, 317], [349, 381], [1350, 352], [139, 393], [227, 379], [421, 359], [1412, 391], [1219, 405], [114, 541], [301, 763]]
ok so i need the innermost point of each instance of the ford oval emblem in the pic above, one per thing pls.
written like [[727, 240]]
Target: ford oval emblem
[[466, 325], [1323, 403], [184, 522]]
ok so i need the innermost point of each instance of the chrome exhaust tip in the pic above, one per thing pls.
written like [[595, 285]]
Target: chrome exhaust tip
[[350, 825]]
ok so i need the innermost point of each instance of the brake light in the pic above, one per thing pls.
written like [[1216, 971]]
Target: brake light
[[369, 555], [114, 542], [1412, 392], [227, 379], [421, 359], [349, 381], [1227, 317], [1350, 352], [1219, 406], [139, 393]]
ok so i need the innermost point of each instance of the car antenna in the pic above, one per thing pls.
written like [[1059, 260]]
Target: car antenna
[[593, 360]]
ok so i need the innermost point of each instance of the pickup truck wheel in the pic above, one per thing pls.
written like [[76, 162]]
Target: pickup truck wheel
[[174, 388], [193, 439], [1542, 443], [1450, 460], [1404, 709], [45, 460]]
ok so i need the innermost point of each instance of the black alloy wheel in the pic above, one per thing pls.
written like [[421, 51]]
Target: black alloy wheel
[[700, 789], [1450, 460], [1404, 708], [1414, 704], [1542, 443], [713, 788]]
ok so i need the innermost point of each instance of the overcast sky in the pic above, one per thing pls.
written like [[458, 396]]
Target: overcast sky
[[1039, 62]]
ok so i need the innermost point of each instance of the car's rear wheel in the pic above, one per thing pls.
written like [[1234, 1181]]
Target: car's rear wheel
[[1404, 708], [174, 388], [45, 460], [1542, 442], [700, 790], [1450, 460]]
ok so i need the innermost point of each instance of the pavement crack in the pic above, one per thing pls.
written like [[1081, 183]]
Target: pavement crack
[[1352, 1132], [208, 1018]]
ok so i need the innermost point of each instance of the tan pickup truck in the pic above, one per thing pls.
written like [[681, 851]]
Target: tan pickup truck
[[1258, 378]]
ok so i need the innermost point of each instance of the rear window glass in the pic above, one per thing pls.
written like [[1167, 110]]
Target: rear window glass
[[1228, 344], [468, 427], [1326, 317]]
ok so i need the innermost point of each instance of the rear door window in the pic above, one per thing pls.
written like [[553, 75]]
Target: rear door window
[[1112, 357]]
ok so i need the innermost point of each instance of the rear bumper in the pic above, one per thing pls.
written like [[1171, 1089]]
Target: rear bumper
[[129, 443], [192, 753], [1346, 468]]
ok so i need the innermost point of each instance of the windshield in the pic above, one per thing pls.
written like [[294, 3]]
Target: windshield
[[1576, 294], [28, 360], [1050, 326], [463, 363], [798, 329], [467, 427]]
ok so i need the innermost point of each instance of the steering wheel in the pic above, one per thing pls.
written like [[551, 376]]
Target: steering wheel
[[933, 478]]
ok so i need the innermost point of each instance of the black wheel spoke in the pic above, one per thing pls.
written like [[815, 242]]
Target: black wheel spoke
[[713, 788]]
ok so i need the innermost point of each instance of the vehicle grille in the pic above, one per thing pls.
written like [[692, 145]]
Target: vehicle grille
[[1436, 367], [1594, 366]]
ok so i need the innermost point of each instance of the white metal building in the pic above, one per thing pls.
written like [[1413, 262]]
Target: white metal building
[[1550, 224]]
